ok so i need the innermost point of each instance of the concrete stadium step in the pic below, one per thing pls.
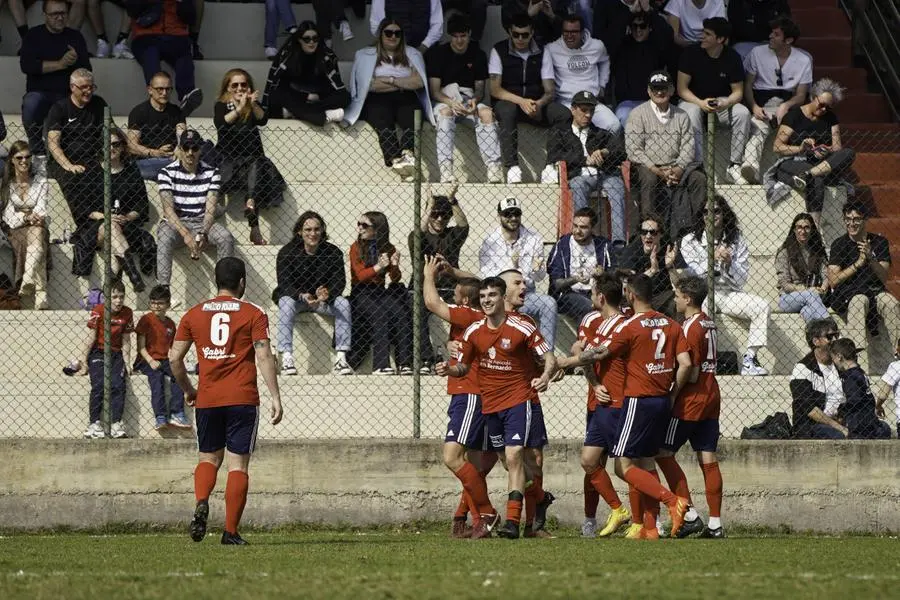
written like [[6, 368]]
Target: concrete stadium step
[[824, 21], [860, 107], [827, 51], [850, 77], [880, 138], [875, 167]]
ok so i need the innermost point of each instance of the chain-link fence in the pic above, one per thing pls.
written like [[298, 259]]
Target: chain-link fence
[[344, 320]]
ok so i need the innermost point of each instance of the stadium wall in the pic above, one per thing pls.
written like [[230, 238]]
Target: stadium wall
[[820, 486]]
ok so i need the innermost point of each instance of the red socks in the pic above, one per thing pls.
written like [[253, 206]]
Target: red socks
[[204, 480], [603, 484], [514, 510], [649, 485], [235, 499], [475, 487], [674, 476], [713, 478], [591, 498]]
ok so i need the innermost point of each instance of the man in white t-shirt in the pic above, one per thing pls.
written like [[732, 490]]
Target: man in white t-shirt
[[888, 384], [778, 77], [686, 18]]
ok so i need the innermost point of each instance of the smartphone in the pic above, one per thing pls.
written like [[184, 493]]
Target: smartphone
[[713, 103]]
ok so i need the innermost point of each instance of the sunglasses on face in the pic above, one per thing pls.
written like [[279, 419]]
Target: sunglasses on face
[[649, 231], [310, 39], [362, 225], [521, 35], [832, 336], [511, 214], [393, 33], [88, 87], [239, 85], [22, 157]]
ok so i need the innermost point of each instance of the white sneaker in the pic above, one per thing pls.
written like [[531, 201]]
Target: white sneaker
[[447, 173], [346, 32], [734, 174], [750, 367], [271, 52], [494, 173], [384, 371], [95, 431], [549, 175], [750, 173], [102, 49], [342, 367], [514, 175], [287, 364], [334, 115], [405, 165], [589, 528], [117, 431], [406, 371], [121, 50]]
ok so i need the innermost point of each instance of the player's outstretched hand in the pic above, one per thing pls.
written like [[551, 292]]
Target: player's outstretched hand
[[442, 369], [540, 384], [275, 412]]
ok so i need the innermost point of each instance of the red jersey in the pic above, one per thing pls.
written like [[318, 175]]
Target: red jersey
[[595, 331], [224, 330], [538, 367], [506, 361], [700, 400], [122, 322], [649, 343], [460, 319], [158, 335]]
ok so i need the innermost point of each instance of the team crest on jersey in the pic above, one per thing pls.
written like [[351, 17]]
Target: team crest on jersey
[[505, 343], [492, 353]]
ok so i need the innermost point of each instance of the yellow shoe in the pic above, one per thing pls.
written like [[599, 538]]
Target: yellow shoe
[[634, 532], [617, 518]]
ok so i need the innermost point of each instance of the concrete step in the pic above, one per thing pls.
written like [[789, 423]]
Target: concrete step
[[827, 51], [824, 21], [871, 137], [810, 4], [874, 167], [858, 107], [850, 77]]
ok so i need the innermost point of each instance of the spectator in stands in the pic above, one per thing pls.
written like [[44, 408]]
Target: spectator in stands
[[130, 208], [659, 143], [711, 82], [387, 85], [574, 260], [305, 80], [542, 14], [422, 21], [859, 407], [23, 209], [474, 10], [750, 20], [611, 19], [95, 16], [166, 38], [579, 63], [50, 54], [658, 257], [188, 194], [456, 75], [514, 246], [521, 86], [890, 384], [858, 268], [310, 273], [687, 18], [732, 270], [278, 12], [778, 78], [816, 392], [333, 13], [381, 316], [638, 47], [809, 140], [593, 158], [154, 127], [800, 267]]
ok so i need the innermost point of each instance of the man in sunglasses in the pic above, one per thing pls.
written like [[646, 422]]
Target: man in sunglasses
[[154, 127], [816, 392]]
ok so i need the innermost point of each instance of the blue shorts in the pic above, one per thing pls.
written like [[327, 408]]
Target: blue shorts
[[232, 427], [642, 427], [521, 425], [466, 424], [602, 424], [703, 435]]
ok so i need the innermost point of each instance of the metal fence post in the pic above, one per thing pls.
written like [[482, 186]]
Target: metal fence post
[[107, 271], [417, 276], [710, 214]]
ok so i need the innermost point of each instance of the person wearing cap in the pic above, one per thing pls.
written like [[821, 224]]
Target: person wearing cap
[[659, 143], [711, 82], [593, 158], [457, 72], [154, 126], [512, 246], [189, 193]]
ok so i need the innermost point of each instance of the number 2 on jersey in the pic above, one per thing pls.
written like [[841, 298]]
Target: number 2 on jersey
[[660, 336], [219, 328]]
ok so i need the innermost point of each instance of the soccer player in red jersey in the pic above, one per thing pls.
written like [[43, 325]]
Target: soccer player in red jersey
[[466, 431], [232, 338], [695, 415], [656, 357], [505, 345]]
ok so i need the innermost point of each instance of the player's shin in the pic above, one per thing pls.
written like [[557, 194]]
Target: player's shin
[[712, 476], [591, 498], [674, 475], [475, 485]]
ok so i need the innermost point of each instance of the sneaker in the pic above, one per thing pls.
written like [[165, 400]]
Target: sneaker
[[707, 533], [750, 367], [198, 522], [460, 529], [341, 367], [514, 175], [102, 49], [484, 526], [117, 431], [447, 173], [179, 421], [589, 528], [677, 511], [509, 530], [690, 528], [750, 173], [406, 371], [40, 301], [531, 532], [734, 175], [287, 364], [801, 181], [540, 511], [334, 115], [191, 101], [345, 30], [384, 371], [121, 50], [233, 539], [634, 531], [549, 175], [95, 431], [405, 164], [271, 52], [616, 519], [494, 173], [161, 423], [426, 369]]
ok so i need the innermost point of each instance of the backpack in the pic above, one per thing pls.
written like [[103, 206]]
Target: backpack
[[93, 297], [773, 427]]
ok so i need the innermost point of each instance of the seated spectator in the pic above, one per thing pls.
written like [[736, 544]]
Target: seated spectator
[[751, 19], [521, 87], [686, 17], [381, 315], [387, 85], [659, 143], [890, 384], [732, 270], [611, 19], [95, 16], [422, 21], [278, 12], [474, 10], [514, 246], [638, 47], [816, 391], [800, 267], [858, 268], [574, 260], [333, 13], [859, 408], [167, 39], [778, 79], [154, 127], [809, 140], [188, 194], [456, 74], [305, 80], [50, 54], [310, 274], [545, 19], [655, 255], [23, 197], [593, 158], [704, 90], [579, 63]]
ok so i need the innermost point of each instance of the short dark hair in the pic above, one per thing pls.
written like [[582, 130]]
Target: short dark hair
[[854, 206], [46, 2], [459, 23], [574, 19], [441, 205], [787, 27], [818, 328], [305, 216], [521, 20], [641, 286], [719, 26], [651, 216], [609, 284], [229, 272], [160, 292], [588, 212], [845, 348], [117, 286], [694, 288], [493, 282], [469, 287]]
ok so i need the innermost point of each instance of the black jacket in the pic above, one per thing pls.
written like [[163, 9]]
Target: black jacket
[[633, 61], [298, 272], [750, 18], [564, 145], [284, 66], [807, 392]]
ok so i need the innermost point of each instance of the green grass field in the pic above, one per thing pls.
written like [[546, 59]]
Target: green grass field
[[427, 564]]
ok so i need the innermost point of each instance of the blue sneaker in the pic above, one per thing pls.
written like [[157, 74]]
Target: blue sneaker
[[179, 421], [161, 423]]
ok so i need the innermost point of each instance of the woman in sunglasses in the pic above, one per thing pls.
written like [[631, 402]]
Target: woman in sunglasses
[[305, 80], [800, 266], [387, 86]]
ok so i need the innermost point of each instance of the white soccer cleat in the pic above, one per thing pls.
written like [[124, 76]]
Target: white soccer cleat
[[549, 175]]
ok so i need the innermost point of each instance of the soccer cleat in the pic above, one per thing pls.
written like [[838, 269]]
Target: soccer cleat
[[634, 531], [161, 423], [589, 528], [616, 519], [179, 421], [733, 174], [341, 367], [484, 526], [95, 431], [121, 50], [287, 364], [677, 512], [117, 431], [346, 32], [233, 539], [649, 534], [514, 175], [750, 367], [717, 533], [531, 532], [509, 530], [102, 48], [460, 528], [198, 522], [690, 528], [540, 511]]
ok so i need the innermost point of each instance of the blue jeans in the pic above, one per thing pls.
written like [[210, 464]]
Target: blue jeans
[[542, 308], [575, 304], [157, 381], [277, 10], [35, 106], [117, 394], [287, 312], [583, 185], [150, 167], [808, 303], [624, 109], [824, 432]]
